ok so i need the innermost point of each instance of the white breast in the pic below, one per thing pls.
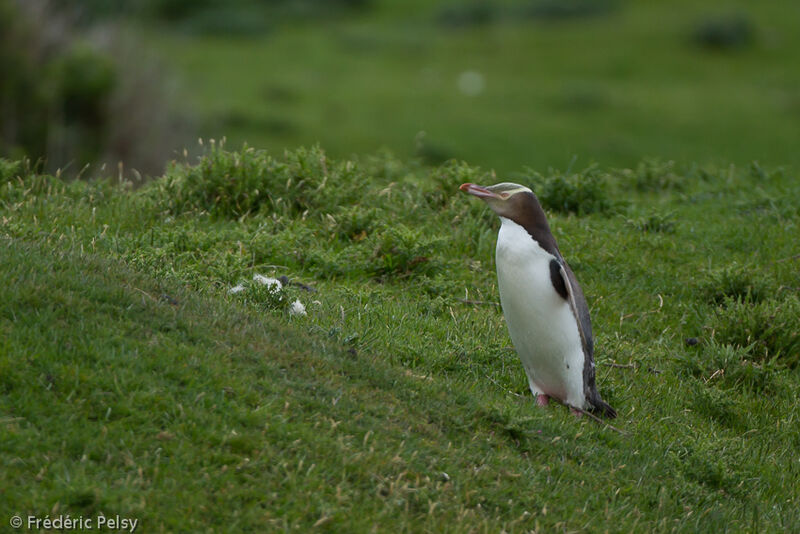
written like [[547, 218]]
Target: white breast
[[541, 324]]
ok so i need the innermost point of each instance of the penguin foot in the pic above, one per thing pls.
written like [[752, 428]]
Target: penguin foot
[[576, 413], [542, 400]]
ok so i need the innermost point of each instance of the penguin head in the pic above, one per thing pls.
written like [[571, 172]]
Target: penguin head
[[506, 199], [519, 204]]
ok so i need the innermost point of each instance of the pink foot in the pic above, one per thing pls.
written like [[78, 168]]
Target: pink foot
[[542, 400], [575, 412]]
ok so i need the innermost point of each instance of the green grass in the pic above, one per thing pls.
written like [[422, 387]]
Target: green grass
[[132, 382], [609, 89]]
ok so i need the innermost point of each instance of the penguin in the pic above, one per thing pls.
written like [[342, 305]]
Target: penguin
[[543, 305]]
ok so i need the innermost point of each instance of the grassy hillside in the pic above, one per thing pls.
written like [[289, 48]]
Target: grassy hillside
[[703, 82], [133, 382]]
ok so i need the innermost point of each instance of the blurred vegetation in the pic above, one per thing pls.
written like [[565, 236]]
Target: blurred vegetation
[[72, 99], [505, 84], [233, 17], [725, 32], [616, 83]]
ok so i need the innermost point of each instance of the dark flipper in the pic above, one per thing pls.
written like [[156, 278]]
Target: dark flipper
[[580, 310], [558, 280]]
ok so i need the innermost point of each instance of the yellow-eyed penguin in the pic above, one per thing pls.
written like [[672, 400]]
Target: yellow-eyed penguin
[[544, 307]]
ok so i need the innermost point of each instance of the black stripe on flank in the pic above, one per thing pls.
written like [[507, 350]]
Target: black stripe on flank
[[556, 279]]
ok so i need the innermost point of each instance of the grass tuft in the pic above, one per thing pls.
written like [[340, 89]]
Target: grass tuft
[[654, 175], [399, 250], [581, 192], [770, 328], [736, 283], [736, 367], [235, 184], [660, 223]]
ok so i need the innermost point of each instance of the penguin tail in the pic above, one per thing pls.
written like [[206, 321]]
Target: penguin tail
[[602, 408]]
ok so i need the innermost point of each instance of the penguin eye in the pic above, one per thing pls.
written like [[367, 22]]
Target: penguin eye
[[504, 196]]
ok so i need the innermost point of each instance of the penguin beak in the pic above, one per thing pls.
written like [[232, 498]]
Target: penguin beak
[[479, 191]]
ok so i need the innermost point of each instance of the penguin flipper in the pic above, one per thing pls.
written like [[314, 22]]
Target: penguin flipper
[[577, 303], [574, 296]]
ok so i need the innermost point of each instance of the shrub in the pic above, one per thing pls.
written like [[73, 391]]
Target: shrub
[[62, 94], [438, 189], [451, 175], [653, 175], [9, 169], [355, 223], [400, 250], [581, 193], [26, 103], [222, 183], [85, 79], [234, 184], [20, 181]]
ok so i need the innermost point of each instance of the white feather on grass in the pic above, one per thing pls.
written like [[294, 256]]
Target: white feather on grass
[[274, 286], [271, 283], [297, 308]]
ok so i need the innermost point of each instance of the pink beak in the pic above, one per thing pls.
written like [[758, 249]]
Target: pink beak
[[478, 190]]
